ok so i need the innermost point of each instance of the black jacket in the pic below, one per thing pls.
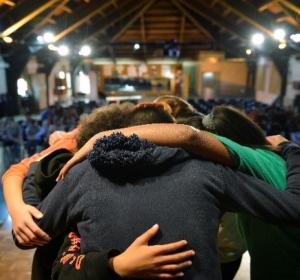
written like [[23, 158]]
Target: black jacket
[[49, 261], [127, 185]]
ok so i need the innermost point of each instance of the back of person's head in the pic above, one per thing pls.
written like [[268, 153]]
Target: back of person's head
[[116, 116], [182, 110], [192, 120], [180, 107], [234, 124], [108, 117], [148, 115]]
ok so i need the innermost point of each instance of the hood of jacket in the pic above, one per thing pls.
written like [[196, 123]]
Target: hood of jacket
[[125, 158]]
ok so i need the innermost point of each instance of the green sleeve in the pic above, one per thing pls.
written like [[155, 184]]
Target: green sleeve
[[260, 163]]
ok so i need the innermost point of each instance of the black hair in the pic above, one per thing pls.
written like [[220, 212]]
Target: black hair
[[232, 123]]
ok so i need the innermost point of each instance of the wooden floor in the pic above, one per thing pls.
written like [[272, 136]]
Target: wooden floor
[[15, 264]]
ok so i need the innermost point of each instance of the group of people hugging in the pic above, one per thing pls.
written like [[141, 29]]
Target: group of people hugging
[[158, 190]]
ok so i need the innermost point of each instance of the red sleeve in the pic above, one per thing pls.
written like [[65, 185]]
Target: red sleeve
[[20, 169]]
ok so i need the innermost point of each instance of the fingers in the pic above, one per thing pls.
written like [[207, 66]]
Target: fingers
[[38, 233], [35, 212], [176, 266], [28, 236], [176, 258], [25, 241], [67, 167], [63, 172], [170, 276], [22, 241], [275, 140], [170, 247], [146, 236]]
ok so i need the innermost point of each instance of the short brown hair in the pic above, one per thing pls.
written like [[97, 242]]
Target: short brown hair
[[116, 116]]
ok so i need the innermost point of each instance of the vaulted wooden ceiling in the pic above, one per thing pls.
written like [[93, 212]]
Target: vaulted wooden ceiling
[[113, 26]]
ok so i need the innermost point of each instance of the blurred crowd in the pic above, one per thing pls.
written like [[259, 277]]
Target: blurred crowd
[[25, 135]]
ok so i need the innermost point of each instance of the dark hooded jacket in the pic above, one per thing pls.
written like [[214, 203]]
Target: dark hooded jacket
[[126, 185]]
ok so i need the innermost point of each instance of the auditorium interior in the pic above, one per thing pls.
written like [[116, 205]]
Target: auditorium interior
[[60, 59]]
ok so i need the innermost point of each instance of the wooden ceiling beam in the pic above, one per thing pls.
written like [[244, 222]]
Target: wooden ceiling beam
[[8, 31], [247, 14], [48, 17], [206, 13], [290, 5], [289, 14], [115, 4], [182, 27], [115, 17], [187, 14], [213, 3], [8, 3], [143, 30], [266, 6], [133, 19], [67, 9], [81, 21]]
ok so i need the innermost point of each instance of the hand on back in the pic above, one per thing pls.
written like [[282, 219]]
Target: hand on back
[[276, 140], [141, 260], [55, 136], [25, 229]]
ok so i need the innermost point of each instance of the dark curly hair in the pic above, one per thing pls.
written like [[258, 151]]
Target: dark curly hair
[[108, 117], [117, 116]]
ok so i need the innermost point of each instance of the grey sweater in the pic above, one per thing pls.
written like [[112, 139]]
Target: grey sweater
[[127, 185]]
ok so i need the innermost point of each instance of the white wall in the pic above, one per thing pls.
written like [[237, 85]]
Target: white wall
[[3, 82], [293, 76], [268, 81]]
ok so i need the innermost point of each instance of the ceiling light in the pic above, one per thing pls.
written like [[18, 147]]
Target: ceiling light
[[279, 34], [61, 75], [248, 51], [8, 40], [85, 51], [295, 37], [63, 50], [282, 45], [48, 37], [52, 47], [136, 46], [257, 39], [40, 39]]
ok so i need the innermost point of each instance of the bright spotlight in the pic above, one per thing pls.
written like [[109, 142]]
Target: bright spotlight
[[63, 50], [85, 51], [282, 45], [52, 47], [257, 39], [136, 46], [295, 37], [279, 34], [40, 39], [248, 51], [61, 75], [8, 40], [48, 37]]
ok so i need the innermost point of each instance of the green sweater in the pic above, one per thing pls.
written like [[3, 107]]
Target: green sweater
[[274, 250]]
